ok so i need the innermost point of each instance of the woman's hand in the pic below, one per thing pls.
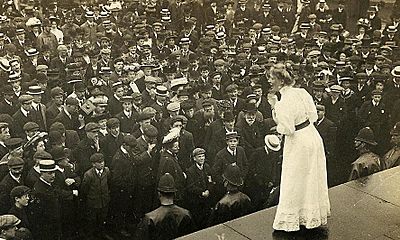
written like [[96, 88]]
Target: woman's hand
[[272, 99]]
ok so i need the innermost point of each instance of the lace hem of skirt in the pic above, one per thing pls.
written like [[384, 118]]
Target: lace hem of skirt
[[310, 218]]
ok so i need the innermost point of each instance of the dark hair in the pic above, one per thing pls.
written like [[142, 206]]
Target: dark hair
[[279, 71]]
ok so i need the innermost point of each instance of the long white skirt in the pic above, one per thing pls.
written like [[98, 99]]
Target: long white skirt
[[303, 196]]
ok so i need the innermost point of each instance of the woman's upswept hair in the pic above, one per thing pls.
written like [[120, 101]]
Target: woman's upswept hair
[[279, 71]]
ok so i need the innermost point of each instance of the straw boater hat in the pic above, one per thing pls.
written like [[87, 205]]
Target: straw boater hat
[[272, 142]]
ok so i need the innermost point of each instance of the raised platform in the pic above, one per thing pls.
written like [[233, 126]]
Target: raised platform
[[361, 210]]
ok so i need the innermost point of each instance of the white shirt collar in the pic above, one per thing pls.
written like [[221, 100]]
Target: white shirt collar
[[24, 112], [230, 151]]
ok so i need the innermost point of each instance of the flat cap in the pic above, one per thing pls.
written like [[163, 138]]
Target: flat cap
[[15, 162], [92, 127], [150, 131], [42, 155], [198, 151], [13, 143], [130, 140], [31, 126], [25, 98], [97, 157], [56, 91], [19, 191], [72, 101], [113, 123]]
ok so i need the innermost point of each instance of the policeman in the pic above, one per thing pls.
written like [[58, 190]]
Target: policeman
[[169, 221]]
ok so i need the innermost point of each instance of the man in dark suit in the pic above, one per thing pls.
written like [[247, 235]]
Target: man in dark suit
[[38, 112], [11, 180], [8, 104], [238, 104], [54, 107], [251, 131], [186, 144], [199, 188], [87, 147], [23, 115], [114, 102], [69, 114], [327, 129], [112, 141], [47, 208], [71, 136], [264, 168], [231, 155], [127, 116], [4, 135], [262, 103], [123, 182], [145, 169], [373, 114]]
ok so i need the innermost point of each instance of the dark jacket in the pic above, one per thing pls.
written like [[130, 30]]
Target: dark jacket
[[123, 171], [19, 121], [47, 211], [69, 123], [327, 130], [95, 188], [164, 223], [6, 185], [82, 154], [232, 205], [224, 158], [169, 164], [109, 146]]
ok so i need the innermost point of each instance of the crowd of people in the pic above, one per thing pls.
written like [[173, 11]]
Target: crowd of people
[[153, 119]]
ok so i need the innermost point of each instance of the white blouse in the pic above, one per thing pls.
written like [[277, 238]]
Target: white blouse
[[295, 107]]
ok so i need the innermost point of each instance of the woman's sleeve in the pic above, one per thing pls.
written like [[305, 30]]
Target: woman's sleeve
[[311, 110], [284, 119]]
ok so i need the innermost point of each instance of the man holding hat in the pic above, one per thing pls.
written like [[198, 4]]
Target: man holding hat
[[147, 152], [199, 188], [8, 226], [368, 162], [87, 147], [265, 171], [234, 204], [392, 157], [11, 180], [169, 220], [123, 182]]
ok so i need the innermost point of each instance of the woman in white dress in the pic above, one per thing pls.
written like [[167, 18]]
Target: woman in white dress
[[303, 196]]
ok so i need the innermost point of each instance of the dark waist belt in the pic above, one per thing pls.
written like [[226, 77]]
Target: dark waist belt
[[302, 125]]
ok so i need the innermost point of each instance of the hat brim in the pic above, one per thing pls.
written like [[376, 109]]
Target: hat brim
[[275, 149], [393, 72], [238, 184], [373, 143]]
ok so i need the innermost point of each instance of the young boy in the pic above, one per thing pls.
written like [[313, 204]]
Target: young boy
[[20, 196], [95, 188]]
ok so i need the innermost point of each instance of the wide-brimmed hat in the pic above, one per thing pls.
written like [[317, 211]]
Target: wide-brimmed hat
[[272, 142]]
